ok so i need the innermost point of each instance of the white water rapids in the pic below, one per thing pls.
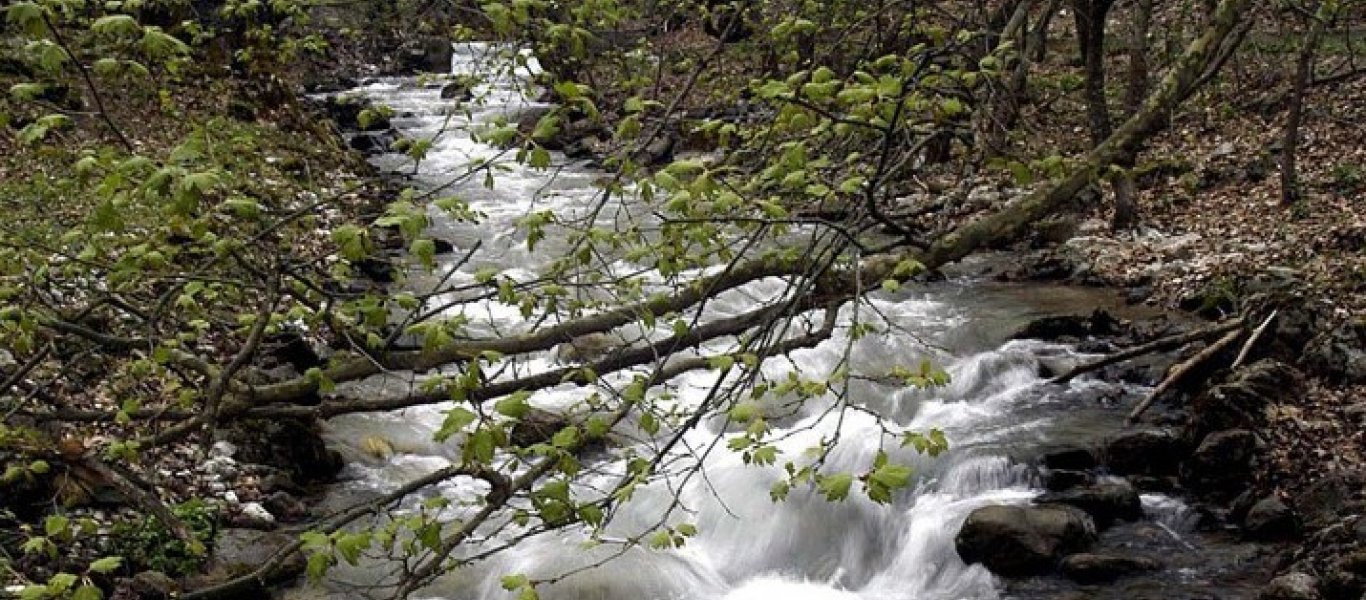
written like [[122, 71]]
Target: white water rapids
[[747, 547]]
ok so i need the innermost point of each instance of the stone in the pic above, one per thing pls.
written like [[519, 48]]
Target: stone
[[293, 446], [285, 507], [1104, 568], [254, 512], [1057, 480], [428, 54], [376, 269], [1270, 520], [1105, 502], [1073, 458], [237, 550], [153, 585], [1291, 586], [1144, 452], [1339, 353], [1023, 540], [1070, 327], [371, 143], [1325, 501], [457, 90], [1242, 400], [1222, 462], [442, 246]]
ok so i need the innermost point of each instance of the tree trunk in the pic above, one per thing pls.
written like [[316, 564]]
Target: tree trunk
[[1126, 214], [1304, 71], [1038, 37], [1090, 18], [999, 113]]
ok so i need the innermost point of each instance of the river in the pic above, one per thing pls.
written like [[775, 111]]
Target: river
[[997, 412]]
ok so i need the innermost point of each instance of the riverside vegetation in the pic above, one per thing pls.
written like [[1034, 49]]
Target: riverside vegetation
[[199, 268]]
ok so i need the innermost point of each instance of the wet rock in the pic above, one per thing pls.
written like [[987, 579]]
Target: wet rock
[[1241, 401], [658, 152], [1023, 540], [1340, 353], [1144, 452], [1291, 586], [1104, 568], [1070, 328], [376, 269], [254, 516], [428, 54], [293, 446], [285, 507], [1069, 458], [291, 348], [344, 110], [1222, 462], [1105, 502], [1062, 479], [1270, 520], [371, 143], [442, 246], [238, 550], [457, 90]]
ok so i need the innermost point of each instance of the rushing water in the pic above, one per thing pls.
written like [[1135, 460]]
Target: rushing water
[[997, 411]]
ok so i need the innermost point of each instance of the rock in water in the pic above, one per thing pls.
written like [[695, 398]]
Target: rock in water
[[1105, 502], [1144, 452], [1023, 540], [1104, 568]]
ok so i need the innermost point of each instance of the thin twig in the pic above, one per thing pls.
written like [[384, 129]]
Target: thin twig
[[1181, 370], [1252, 339]]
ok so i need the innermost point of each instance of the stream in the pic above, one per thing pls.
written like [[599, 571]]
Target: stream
[[998, 413]]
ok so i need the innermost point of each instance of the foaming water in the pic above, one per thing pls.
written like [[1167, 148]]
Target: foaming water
[[747, 546]]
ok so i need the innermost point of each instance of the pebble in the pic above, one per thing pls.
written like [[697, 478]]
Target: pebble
[[256, 512], [230, 497], [223, 448]]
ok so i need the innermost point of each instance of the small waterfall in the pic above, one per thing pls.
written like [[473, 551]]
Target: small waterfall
[[748, 547]]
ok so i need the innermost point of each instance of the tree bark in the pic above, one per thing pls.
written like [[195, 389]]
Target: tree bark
[[1090, 16], [1304, 71], [1038, 37]]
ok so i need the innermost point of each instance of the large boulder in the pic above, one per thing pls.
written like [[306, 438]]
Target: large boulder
[[1104, 568], [294, 446], [1269, 520], [1222, 463], [1105, 502], [1329, 499], [1023, 540], [1242, 400], [1070, 328], [1073, 458], [1144, 452], [428, 54], [1339, 353]]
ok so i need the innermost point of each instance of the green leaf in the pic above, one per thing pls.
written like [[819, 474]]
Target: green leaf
[[565, 438], [106, 565], [56, 525], [456, 419], [512, 582], [116, 26], [87, 592], [514, 406], [835, 487]]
